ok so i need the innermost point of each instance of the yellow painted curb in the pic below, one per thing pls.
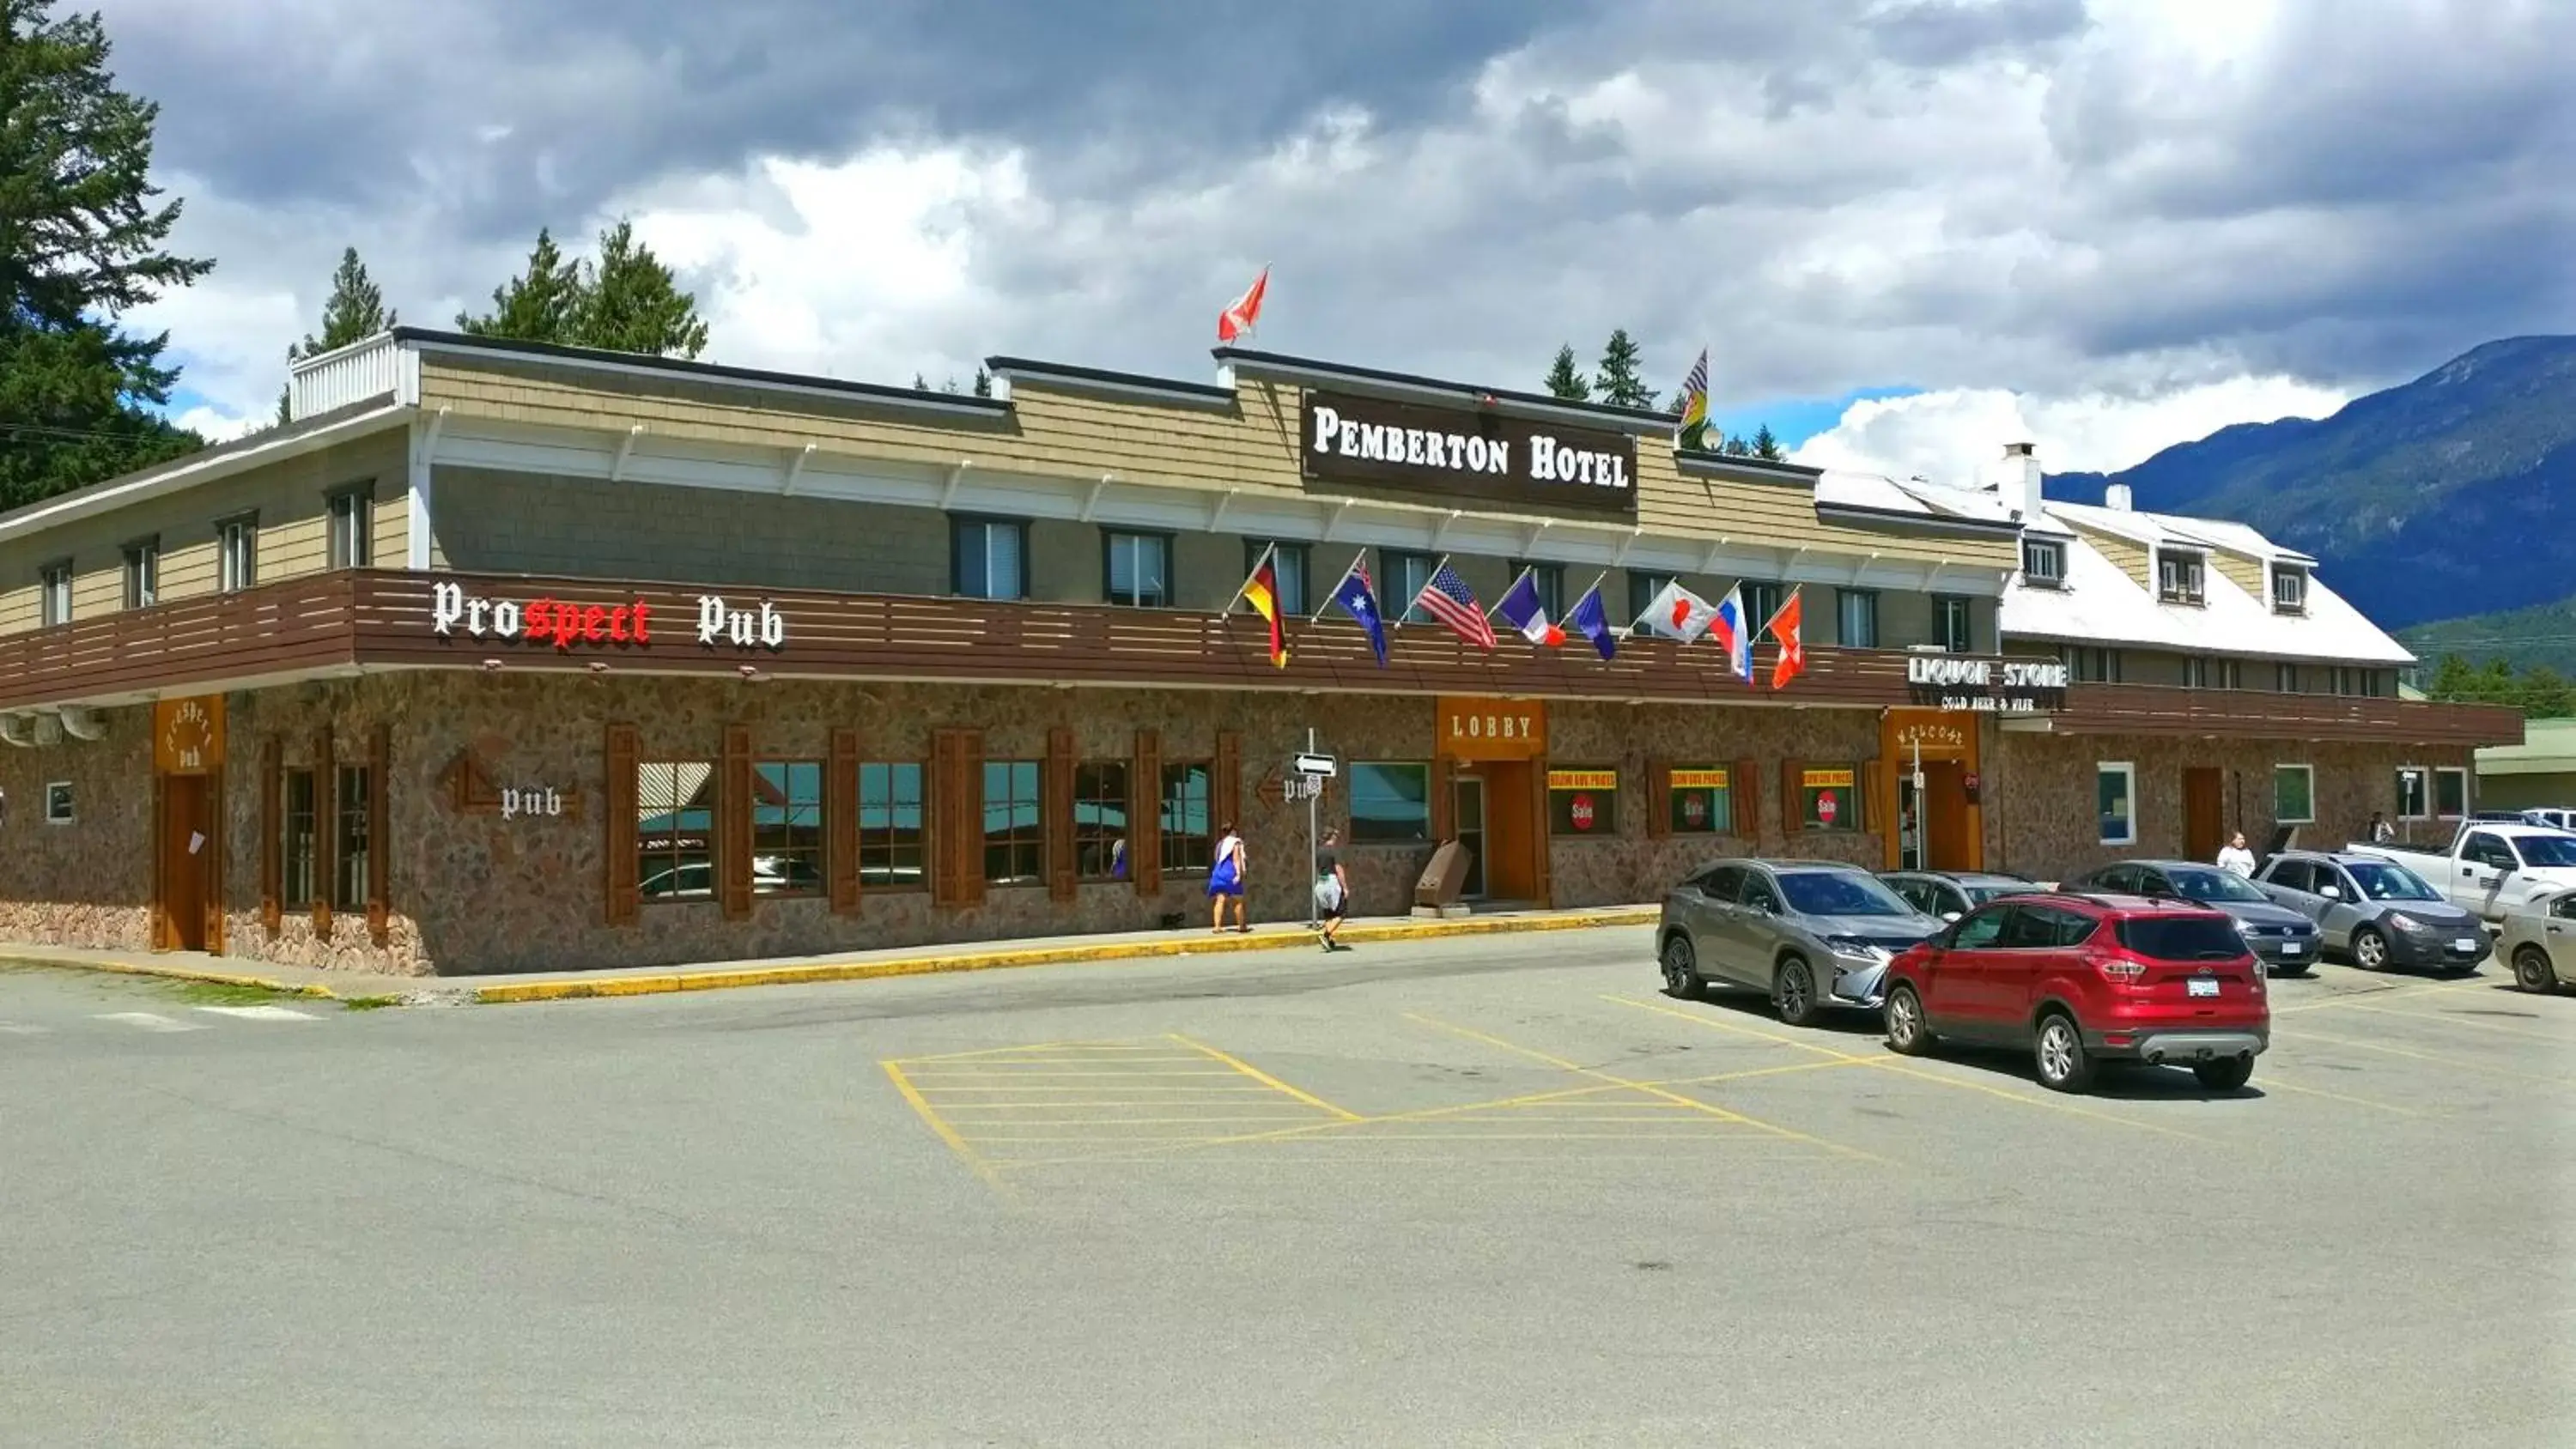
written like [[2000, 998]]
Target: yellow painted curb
[[167, 973], [659, 983]]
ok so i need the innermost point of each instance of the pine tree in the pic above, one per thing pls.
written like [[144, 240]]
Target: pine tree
[[983, 382], [950, 386], [1620, 381], [1564, 381], [630, 302], [919, 383], [355, 311], [542, 304], [80, 244], [1766, 444], [2451, 680], [2545, 693]]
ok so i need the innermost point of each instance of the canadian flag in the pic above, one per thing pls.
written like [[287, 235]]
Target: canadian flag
[[1238, 319]]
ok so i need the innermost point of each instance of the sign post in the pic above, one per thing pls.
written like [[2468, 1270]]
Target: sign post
[[1314, 849]]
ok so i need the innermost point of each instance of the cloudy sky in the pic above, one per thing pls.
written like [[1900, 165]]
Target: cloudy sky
[[1908, 230]]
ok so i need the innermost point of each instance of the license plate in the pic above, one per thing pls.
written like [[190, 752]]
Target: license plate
[[2203, 986], [2291, 948]]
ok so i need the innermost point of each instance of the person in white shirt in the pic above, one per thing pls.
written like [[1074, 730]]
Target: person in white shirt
[[2236, 857]]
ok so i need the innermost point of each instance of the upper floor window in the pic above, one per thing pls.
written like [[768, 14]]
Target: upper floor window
[[1856, 614], [2092, 665], [352, 531], [2286, 678], [54, 592], [988, 558], [1761, 601], [2351, 681], [1642, 588], [1549, 582], [2201, 672], [1407, 575], [2043, 562], [143, 573], [2289, 589], [1139, 569], [2178, 578], [1957, 623], [237, 553], [1288, 562]]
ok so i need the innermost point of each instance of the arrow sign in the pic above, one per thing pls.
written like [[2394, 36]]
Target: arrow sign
[[1322, 766]]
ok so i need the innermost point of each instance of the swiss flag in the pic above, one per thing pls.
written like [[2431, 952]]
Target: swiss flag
[[1793, 653], [1238, 319]]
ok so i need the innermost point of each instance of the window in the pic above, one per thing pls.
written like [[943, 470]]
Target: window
[[2414, 794], [2090, 665], [1100, 820], [2045, 928], [1698, 801], [2351, 681], [2285, 678], [1761, 601], [2195, 673], [1189, 839], [1289, 563], [58, 802], [1982, 931], [2181, 938], [2450, 793], [890, 840], [2488, 850], [54, 592], [237, 553], [1856, 612], [2289, 589], [1138, 569], [1642, 588], [1390, 803], [2294, 795], [988, 558], [2115, 793], [1406, 575], [786, 828], [675, 830], [1583, 802], [2204, 673], [2179, 578], [352, 531], [1952, 615], [1549, 582], [353, 838], [2043, 563], [1828, 797], [2291, 875], [1014, 835], [295, 888], [143, 573]]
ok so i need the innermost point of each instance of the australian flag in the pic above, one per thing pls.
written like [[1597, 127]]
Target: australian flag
[[1360, 602], [1588, 619]]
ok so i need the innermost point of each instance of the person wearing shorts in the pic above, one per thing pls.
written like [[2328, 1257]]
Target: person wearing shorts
[[1332, 889], [1225, 881]]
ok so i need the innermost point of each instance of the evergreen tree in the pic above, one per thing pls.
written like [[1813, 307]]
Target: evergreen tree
[[1563, 380], [2544, 693], [919, 383], [355, 311], [1766, 444], [542, 304], [2451, 679], [629, 302], [80, 243], [1621, 381], [950, 386], [983, 382]]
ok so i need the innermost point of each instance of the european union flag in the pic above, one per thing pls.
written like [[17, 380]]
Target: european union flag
[[1360, 602]]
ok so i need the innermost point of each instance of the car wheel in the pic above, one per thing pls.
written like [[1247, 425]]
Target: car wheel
[[2063, 1066], [2369, 949], [2532, 971], [1681, 969], [2225, 1074], [1908, 1034], [1795, 992]]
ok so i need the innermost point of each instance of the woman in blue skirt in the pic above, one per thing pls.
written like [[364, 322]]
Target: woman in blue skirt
[[1225, 880]]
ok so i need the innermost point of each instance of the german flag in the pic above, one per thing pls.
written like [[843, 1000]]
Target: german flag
[[1262, 592]]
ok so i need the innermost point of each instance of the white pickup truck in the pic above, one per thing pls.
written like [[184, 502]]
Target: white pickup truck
[[2490, 867]]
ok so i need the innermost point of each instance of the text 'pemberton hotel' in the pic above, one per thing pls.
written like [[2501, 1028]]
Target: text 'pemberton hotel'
[[503, 656]]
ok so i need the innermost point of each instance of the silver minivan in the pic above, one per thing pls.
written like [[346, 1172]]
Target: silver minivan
[[1809, 934]]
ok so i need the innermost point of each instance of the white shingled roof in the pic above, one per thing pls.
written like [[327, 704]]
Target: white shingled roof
[[1849, 489]]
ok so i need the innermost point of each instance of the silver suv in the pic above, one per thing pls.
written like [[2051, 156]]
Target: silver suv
[[1807, 933]]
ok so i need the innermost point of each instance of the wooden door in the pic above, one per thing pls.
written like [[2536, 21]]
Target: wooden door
[[187, 852], [1949, 842], [2204, 811]]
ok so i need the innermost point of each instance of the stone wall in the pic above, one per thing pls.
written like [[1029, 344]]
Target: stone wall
[[88, 883]]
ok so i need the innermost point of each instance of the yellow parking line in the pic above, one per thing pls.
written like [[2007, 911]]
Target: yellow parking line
[[1044, 1046], [2523, 1032], [2459, 1063], [2271, 1080], [988, 1075], [947, 1134], [1267, 1080]]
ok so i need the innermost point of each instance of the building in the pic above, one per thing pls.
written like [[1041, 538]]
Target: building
[[2538, 773], [502, 656]]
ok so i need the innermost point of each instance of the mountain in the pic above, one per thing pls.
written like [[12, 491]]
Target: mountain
[[2451, 495], [2544, 634]]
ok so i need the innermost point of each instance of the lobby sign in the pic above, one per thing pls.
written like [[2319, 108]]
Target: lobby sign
[[1486, 457], [2004, 686], [1490, 729], [565, 623]]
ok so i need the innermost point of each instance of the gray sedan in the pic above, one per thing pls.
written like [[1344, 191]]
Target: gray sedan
[[2540, 941], [1806, 933], [2374, 910]]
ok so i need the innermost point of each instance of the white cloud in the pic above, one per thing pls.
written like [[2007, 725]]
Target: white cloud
[[215, 425], [1953, 434]]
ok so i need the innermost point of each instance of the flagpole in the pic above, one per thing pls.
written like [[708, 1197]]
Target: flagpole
[[1335, 591], [1507, 589], [1426, 588], [1253, 573]]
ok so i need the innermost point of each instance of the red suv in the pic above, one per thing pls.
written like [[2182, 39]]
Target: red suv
[[2083, 978]]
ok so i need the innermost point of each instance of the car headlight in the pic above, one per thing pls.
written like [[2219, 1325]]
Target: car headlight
[[2405, 922], [1855, 946]]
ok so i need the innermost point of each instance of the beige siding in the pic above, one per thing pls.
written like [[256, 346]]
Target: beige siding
[[1064, 562], [1208, 567], [2245, 573], [2145, 666], [19, 610], [2130, 558]]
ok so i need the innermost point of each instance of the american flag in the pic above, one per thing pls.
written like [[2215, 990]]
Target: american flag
[[1448, 599]]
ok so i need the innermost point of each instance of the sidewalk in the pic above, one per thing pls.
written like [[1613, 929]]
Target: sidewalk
[[790, 971]]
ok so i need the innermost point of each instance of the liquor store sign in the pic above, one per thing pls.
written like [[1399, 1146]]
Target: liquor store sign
[[2005, 686], [1483, 456]]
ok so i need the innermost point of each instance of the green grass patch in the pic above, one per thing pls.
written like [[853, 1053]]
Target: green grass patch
[[368, 1003], [226, 993]]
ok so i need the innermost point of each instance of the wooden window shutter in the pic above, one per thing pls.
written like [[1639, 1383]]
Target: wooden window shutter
[[625, 893], [1443, 804], [1744, 784], [1145, 816], [956, 818], [1873, 778], [1793, 805], [380, 836], [1056, 791], [161, 932], [733, 829], [272, 834], [326, 833], [1546, 842], [1225, 781], [841, 822], [1659, 804]]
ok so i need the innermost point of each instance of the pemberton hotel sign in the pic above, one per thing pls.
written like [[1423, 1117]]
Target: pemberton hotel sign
[[1486, 456], [2006, 686]]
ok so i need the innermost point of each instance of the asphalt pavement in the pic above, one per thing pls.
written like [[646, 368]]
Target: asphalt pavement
[[1483, 1191]]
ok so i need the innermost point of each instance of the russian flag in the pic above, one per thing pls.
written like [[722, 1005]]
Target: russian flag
[[1731, 632]]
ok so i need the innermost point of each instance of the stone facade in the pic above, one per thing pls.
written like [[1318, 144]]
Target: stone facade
[[88, 883]]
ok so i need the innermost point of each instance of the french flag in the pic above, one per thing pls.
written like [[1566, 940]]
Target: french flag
[[1733, 634]]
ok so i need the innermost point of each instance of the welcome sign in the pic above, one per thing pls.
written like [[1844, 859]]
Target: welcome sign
[[1488, 457]]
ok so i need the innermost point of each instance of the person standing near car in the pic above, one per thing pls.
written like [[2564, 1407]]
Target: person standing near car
[[2236, 858], [2381, 832], [1332, 889], [1225, 881]]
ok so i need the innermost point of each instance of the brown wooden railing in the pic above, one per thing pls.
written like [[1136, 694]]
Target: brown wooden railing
[[2132, 709], [299, 625]]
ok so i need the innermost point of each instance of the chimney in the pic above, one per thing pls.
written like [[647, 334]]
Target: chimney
[[2018, 481], [2115, 496]]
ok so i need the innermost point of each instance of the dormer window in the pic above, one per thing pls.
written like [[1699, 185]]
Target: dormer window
[[2178, 578], [2043, 563], [2289, 589]]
